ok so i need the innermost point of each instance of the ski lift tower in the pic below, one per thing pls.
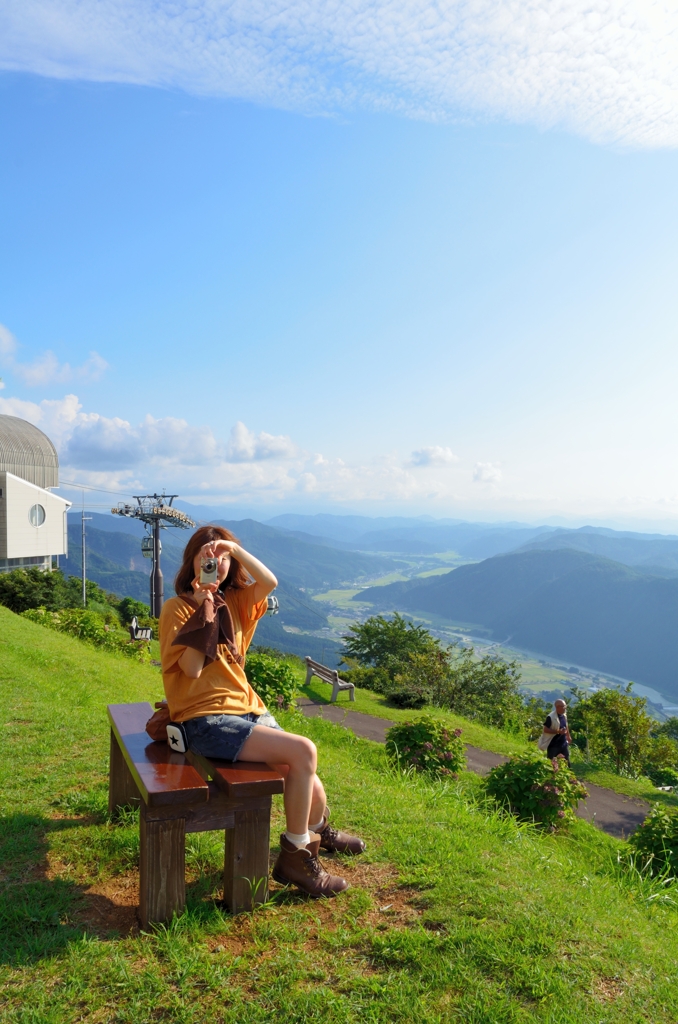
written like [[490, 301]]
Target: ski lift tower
[[156, 513]]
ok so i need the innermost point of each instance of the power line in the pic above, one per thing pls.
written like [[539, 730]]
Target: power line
[[101, 490]]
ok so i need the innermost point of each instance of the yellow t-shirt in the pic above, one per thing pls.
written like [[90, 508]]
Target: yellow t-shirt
[[222, 688]]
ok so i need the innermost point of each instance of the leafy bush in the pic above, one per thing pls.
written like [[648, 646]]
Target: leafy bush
[[656, 841], [427, 746], [661, 761], [536, 788], [369, 677], [612, 726], [128, 608], [272, 678], [668, 728], [90, 627], [22, 589]]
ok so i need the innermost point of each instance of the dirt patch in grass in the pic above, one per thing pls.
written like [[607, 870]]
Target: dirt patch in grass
[[392, 904], [111, 906], [607, 990]]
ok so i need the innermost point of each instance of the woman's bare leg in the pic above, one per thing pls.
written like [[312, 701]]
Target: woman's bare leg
[[303, 789], [318, 799]]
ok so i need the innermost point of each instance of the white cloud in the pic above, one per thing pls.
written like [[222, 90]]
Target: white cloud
[[47, 369], [604, 68], [435, 455], [244, 446], [486, 473], [168, 452]]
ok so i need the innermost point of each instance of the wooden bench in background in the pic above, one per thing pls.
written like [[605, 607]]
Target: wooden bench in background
[[180, 793], [328, 675]]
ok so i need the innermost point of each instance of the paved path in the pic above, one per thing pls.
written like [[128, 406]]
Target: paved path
[[613, 813]]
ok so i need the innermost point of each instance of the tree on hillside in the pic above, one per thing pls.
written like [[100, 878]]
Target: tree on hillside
[[24, 589], [413, 668], [668, 728], [614, 725], [386, 643]]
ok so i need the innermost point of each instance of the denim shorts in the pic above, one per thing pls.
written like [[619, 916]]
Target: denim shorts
[[224, 735]]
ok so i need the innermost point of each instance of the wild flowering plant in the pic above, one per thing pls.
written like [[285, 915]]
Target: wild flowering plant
[[656, 841], [536, 788], [427, 746]]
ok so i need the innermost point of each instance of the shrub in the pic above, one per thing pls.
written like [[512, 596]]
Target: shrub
[[661, 761], [536, 788], [656, 841], [273, 679], [22, 589], [612, 726], [427, 746], [128, 608], [91, 628], [485, 688], [369, 677]]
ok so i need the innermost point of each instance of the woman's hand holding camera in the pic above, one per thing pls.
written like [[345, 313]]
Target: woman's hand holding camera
[[203, 591]]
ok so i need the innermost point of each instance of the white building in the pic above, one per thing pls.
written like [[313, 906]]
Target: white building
[[33, 521]]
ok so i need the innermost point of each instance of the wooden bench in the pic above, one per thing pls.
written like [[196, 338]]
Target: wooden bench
[[328, 675], [180, 793]]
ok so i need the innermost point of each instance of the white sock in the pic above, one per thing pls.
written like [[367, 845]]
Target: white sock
[[316, 828], [302, 840]]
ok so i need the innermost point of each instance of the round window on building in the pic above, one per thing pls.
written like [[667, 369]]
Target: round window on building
[[36, 516]]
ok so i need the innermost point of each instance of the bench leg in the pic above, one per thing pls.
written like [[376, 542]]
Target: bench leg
[[335, 692], [122, 790], [351, 693], [246, 860], [162, 869]]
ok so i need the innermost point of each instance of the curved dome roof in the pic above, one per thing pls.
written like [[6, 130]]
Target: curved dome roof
[[27, 452]]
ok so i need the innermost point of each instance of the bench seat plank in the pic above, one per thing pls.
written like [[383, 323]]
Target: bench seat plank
[[240, 779], [162, 776]]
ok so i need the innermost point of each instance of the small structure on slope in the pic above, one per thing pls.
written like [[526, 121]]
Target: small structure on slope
[[33, 521]]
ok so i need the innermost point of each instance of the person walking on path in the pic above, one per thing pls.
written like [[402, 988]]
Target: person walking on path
[[557, 728], [204, 635]]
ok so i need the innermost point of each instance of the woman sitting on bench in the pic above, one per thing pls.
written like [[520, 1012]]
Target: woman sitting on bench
[[204, 635]]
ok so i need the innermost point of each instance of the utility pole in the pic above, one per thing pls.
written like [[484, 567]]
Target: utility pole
[[85, 519]]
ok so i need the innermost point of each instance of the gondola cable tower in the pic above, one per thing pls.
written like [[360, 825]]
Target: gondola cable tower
[[157, 513]]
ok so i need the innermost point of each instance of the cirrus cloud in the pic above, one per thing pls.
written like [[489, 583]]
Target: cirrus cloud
[[607, 69]]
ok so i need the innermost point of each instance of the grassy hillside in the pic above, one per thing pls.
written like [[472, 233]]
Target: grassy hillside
[[445, 920], [567, 604]]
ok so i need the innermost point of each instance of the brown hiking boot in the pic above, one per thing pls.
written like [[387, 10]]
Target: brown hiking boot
[[299, 865], [338, 842]]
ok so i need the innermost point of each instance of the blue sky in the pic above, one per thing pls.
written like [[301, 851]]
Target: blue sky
[[427, 272]]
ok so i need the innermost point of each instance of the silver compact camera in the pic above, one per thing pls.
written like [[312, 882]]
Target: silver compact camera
[[208, 570]]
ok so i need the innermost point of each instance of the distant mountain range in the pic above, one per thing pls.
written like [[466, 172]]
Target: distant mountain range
[[601, 598], [565, 603], [115, 562]]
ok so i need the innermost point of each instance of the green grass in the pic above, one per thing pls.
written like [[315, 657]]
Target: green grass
[[498, 742], [449, 918]]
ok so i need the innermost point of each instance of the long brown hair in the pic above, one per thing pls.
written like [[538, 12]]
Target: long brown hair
[[237, 577]]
